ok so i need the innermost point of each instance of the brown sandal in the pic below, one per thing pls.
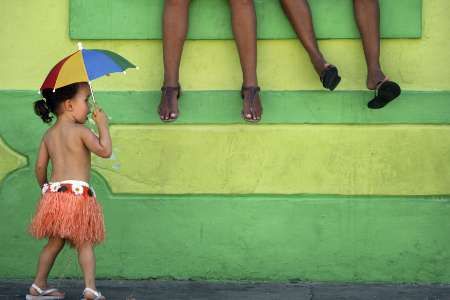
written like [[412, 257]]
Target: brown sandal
[[253, 91], [167, 91]]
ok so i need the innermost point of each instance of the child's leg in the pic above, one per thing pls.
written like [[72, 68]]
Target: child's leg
[[45, 264], [299, 15], [243, 19], [86, 259], [175, 25], [367, 14]]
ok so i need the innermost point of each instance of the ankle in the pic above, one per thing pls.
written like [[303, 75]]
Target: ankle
[[318, 63], [171, 82], [41, 283], [373, 78]]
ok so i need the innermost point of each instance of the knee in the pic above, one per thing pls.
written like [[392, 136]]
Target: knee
[[85, 248], [55, 244]]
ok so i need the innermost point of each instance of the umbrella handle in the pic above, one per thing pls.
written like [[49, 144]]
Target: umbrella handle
[[92, 94], [93, 98]]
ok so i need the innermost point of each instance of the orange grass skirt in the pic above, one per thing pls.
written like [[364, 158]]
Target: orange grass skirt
[[69, 211]]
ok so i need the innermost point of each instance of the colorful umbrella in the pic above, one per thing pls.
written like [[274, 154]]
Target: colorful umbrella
[[85, 65]]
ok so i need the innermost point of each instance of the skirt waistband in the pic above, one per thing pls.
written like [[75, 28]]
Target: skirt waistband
[[74, 182], [76, 187]]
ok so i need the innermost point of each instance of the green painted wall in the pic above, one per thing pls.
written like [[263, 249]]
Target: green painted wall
[[323, 190], [319, 238]]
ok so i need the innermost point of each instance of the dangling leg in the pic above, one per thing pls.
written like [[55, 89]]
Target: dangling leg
[[367, 14], [175, 26], [299, 15], [244, 28]]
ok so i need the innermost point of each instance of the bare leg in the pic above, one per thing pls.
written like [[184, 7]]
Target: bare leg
[[299, 15], [244, 28], [86, 259], [367, 14], [45, 264], [175, 25]]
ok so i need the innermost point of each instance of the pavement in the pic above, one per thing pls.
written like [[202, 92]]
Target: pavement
[[206, 290]]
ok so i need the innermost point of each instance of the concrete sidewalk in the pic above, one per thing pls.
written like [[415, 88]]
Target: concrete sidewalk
[[174, 290]]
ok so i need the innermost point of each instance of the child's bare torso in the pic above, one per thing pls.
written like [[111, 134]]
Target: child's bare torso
[[70, 158]]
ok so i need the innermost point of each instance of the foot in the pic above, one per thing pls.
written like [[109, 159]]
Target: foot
[[43, 290], [385, 92], [252, 108], [330, 77], [328, 73], [91, 294], [168, 107], [319, 64]]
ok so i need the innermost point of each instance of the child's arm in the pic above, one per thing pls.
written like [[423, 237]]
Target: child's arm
[[101, 145], [41, 164]]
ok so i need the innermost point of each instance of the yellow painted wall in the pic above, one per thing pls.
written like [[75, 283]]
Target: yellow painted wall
[[9, 160], [279, 159]]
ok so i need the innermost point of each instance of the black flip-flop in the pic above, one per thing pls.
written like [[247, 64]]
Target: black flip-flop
[[385, 92], [330, 77]]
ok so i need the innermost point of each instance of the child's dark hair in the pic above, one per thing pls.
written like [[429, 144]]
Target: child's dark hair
[[52, 99]]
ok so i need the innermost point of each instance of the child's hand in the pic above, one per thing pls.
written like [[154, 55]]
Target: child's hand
[[100, 117]]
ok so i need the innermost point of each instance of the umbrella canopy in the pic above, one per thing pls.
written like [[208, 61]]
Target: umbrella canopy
[[85, 65]]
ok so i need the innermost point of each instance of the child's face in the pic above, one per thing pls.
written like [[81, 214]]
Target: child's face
[[80, 103]]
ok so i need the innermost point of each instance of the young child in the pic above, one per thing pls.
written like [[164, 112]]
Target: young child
[[68, 210]]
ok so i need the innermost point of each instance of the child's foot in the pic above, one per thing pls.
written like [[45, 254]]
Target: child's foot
[[38, 293], [90, 294], [252, 108], [168, 107]]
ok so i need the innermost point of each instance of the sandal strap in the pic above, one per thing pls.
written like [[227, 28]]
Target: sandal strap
[[38, 289], [97, 294], [42, 292], [324, 71], [379, 84], [168, 90], [253, 91], [49, 291]]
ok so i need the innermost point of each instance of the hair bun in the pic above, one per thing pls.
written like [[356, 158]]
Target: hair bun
[[41, 109]]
